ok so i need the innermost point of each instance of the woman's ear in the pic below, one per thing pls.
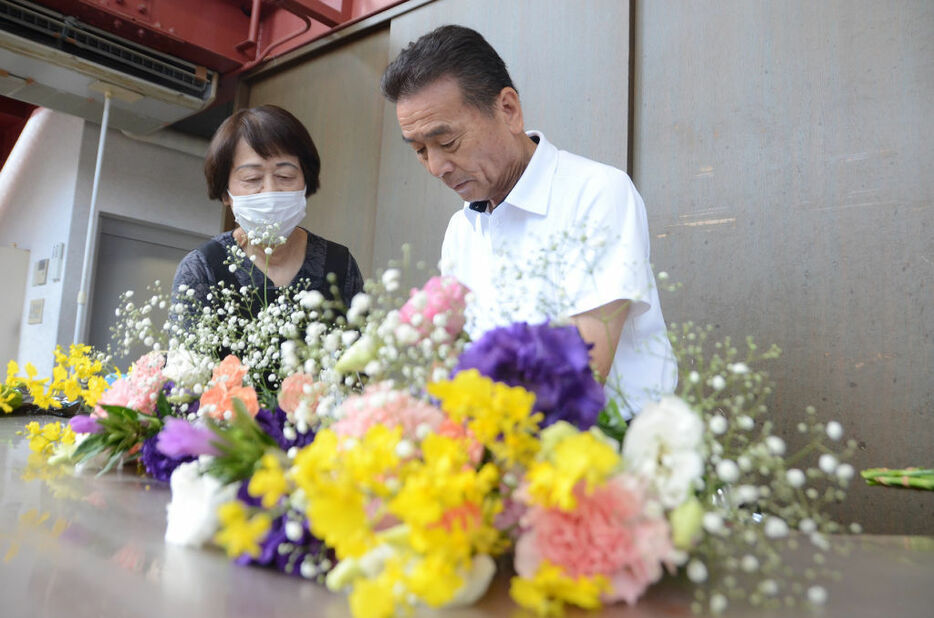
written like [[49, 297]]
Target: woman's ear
[[225, 198]]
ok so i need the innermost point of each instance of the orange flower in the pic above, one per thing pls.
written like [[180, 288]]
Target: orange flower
[[293, 391], [231, 370], [228, 384]]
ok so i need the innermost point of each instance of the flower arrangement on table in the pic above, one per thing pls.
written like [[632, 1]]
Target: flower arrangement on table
[[372, 448], [77, 379]]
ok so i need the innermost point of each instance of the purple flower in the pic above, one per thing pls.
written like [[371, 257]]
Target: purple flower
[[551, 362], [273, 423], [286, 554], [180, 438], [158, 465], [84, 424]]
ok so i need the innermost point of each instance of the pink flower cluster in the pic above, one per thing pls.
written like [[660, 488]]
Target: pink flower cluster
[[610, 533], [440, 296], [293, 392], [138, 389], [379, 404]]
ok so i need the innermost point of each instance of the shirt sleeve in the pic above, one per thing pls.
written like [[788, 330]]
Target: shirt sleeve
[[353, 280], [612, 262]]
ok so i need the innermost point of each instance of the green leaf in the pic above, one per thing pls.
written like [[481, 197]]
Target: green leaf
[[110, 463], [93, 445], [163, 408], [612, 423]]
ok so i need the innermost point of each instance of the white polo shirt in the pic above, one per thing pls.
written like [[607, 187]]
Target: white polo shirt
[[571, 236]]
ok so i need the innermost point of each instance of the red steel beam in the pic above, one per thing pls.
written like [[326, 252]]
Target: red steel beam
[[317, 10]]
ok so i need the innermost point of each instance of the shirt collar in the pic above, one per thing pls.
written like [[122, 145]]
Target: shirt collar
[[534, 187]]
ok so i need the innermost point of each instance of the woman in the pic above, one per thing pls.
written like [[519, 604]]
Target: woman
[[263, 164]]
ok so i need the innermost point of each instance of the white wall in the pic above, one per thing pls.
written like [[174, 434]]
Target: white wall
[[45, 192], [14, 264], [37, 188]]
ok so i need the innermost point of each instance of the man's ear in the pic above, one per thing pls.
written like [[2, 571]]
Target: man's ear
[[507, 104]]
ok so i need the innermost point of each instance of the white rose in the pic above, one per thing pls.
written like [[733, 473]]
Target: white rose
[[192, 513], [664, 445]]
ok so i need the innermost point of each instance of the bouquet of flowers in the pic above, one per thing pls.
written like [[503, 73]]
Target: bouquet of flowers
[[372, 448], [77, 382]]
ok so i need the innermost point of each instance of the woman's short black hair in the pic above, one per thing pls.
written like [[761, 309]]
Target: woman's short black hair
[[267, 129], [453, 51]]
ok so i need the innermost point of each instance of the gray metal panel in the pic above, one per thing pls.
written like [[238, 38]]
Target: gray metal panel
[[784, 151], [570, 64], [130, 256]]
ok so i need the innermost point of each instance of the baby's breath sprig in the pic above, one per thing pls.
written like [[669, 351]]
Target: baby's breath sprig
[[760, 501], [134, 320]]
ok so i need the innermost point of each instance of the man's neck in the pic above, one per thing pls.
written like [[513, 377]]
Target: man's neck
[[528, 146]]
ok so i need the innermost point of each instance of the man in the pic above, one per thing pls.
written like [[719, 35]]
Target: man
[[556, 233]]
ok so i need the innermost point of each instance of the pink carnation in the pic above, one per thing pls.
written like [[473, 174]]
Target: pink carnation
[[610, 533], [379, 404], [293, 391], [138, 389], [440, 296]]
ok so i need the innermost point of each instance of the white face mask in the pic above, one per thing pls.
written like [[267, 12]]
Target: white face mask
[[265, 217]]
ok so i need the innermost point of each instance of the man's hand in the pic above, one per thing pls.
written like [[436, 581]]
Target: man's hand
[[602, 327]]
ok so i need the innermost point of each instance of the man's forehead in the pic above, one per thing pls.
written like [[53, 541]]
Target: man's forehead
[[432, 131]]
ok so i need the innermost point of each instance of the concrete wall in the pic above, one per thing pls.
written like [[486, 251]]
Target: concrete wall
[[784, 151]]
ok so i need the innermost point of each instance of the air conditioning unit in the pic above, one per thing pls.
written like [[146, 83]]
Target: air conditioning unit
[[52, 60]]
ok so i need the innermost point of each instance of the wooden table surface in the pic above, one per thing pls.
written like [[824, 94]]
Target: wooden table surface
[[77, 546]]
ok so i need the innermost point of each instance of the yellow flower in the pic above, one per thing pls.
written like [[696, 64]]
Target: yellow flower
[[269, 481], [435, 579], [576, 457], [37, 388], [44, 439], [550, 589], [373, 598], [96, 387], [499, 416], [339, 483], [12, 370], [239, 535], [10, 398]]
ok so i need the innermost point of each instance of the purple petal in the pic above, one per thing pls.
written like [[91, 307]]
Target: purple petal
[[84, 424], [180, 439], [551, 362]]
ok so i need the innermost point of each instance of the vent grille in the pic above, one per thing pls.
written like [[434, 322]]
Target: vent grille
[[67, 34]]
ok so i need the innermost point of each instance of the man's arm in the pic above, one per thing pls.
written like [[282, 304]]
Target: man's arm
[[602, 327]]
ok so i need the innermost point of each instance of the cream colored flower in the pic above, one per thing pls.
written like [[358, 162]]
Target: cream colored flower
[[664, 445]]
